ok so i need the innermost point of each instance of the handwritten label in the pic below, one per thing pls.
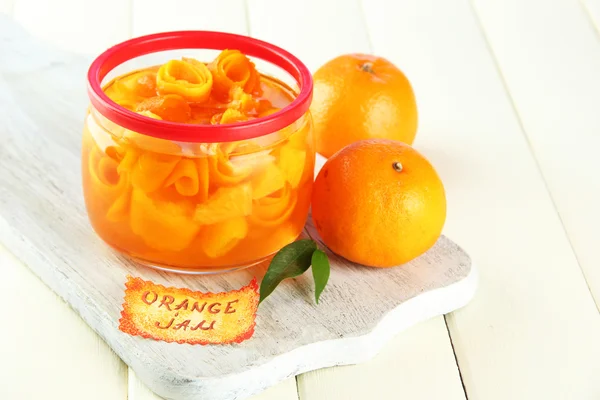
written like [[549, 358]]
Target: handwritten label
[[183, 316]]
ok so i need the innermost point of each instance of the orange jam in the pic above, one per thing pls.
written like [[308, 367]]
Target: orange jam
[[197, 206]]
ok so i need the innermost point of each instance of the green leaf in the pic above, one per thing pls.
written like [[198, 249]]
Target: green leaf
[[320, 271], [291, 261]]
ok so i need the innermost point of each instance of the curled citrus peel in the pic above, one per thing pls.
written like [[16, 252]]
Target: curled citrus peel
[[193, 81], [108, 184], [184, 178], [170, 107], [151, 170], [230, 116], [267, 181], [224, 204], [203, 178], [232, 68], [222, 172], [220, 238], [129, 90], [142, 84], [103, 171], [273, 210], [291, 162], [163, 225]]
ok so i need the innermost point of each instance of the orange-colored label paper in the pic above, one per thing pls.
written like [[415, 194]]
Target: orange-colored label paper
[[183, 316]]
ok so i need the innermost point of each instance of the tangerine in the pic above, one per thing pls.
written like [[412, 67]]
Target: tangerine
[[360, 96], [379, 203]]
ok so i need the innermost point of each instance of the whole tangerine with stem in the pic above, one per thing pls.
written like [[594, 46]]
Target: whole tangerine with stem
[[378, 203], [360, 96]]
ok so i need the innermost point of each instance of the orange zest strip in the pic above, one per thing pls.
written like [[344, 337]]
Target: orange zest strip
[[163, 225], [232, 68], [220, 238], [225, 203], [141, 84], [103, 171], [223, 171], [185, 178], [292, 162], [119, 211], [151, 170], [273, 211], [269, 180], [170, 107], [193, 81], [203, 178]]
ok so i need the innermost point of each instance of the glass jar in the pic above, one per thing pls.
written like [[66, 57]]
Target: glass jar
[[197, 198]]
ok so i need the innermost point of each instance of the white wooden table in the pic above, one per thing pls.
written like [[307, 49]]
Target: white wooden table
[[509, 97]]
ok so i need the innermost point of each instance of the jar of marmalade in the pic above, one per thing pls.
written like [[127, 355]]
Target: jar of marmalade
[[195, 157]]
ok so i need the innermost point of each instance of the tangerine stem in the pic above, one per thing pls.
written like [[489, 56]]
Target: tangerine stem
[[367, 67]]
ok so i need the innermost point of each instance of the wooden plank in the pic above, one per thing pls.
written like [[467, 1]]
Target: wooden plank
[[151, 16], [557, 94], [532, 329], [317, 32], [47, 350], [285, 390], [6, 6], [46, 342], [137, 390], [593, 9], [400, 371], [86, 27]]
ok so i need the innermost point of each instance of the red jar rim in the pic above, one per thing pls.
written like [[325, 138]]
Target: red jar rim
[[148, 44]]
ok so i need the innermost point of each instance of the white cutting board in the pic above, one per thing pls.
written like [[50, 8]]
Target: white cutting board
[[43, 222]]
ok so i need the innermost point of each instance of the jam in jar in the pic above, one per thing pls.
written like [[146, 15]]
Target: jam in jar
[[193, 164]]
